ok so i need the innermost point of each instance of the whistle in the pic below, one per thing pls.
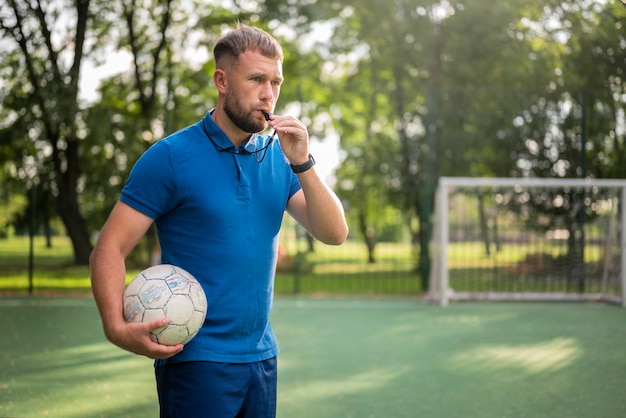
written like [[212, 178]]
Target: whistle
[[267, 115]]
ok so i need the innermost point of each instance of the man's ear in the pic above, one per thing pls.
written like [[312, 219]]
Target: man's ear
[[219, 79]]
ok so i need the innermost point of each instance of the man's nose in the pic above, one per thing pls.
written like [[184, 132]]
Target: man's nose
[[267, 92]]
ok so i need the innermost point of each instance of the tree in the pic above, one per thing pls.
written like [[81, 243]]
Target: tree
[[166, 87], [81, 153], [420, 57], [595, 69], [573, 129], [42, 65]]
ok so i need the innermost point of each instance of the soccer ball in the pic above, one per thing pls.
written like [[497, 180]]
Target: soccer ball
[[166, 290]]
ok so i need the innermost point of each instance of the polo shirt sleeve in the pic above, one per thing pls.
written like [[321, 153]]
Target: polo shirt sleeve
[[295, 184], [151, 185]]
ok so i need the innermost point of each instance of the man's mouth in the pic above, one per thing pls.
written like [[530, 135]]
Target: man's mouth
[[266, 114]]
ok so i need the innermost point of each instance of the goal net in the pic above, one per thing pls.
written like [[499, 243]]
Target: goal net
[[529, 239]]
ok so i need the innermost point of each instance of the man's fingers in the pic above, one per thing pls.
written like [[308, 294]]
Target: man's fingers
[[157, 323]]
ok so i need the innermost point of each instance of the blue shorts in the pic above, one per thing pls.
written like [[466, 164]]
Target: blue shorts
[[217, 390]]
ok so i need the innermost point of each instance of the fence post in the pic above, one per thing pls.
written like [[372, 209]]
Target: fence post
[[31, 233], [622, 232]]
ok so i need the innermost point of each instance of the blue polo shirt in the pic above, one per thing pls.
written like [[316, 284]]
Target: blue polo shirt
[[218, 211]]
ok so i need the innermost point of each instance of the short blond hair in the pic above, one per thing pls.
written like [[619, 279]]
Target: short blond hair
[[246, 38]]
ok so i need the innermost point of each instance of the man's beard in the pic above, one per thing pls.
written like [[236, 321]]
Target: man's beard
[[241, 117]]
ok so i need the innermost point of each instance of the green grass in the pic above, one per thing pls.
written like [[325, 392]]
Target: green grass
[[53, 266], [343, 357], [328, 269]]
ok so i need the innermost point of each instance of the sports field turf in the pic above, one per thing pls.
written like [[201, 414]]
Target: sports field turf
[[380, 358]]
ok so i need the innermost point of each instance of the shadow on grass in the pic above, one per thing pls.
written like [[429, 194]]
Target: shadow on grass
[[391, 358], [56, 362], [341, 357]]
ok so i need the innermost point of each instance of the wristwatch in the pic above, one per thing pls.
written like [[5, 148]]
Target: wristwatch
[[303, 167]]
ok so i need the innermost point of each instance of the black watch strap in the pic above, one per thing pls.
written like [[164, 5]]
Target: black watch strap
[[303, 167]]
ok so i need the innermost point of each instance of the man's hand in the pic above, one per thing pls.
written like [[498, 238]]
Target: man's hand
[[135, 337], [293, 137]]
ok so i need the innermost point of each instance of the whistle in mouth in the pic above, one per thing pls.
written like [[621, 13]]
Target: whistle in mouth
[[266, 115]]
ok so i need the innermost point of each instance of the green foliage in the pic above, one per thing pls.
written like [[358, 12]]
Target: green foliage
[[415, 89], [8, 211], [434, 93]]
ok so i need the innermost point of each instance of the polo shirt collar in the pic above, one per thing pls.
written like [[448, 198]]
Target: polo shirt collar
[[220, 138]]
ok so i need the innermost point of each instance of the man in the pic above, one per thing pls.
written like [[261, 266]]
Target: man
[[217, 192]]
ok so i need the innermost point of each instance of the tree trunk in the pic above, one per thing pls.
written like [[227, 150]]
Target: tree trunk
[[369, 236], [76, 229], [67, 202]]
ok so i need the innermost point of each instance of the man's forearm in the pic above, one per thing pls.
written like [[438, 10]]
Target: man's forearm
[[326, 215]]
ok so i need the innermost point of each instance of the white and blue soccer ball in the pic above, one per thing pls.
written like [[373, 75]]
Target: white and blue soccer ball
[[167, 290]]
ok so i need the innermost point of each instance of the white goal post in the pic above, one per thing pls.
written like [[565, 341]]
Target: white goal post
[[534, 239]]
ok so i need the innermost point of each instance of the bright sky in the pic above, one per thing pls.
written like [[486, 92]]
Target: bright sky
[[91, 75]]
